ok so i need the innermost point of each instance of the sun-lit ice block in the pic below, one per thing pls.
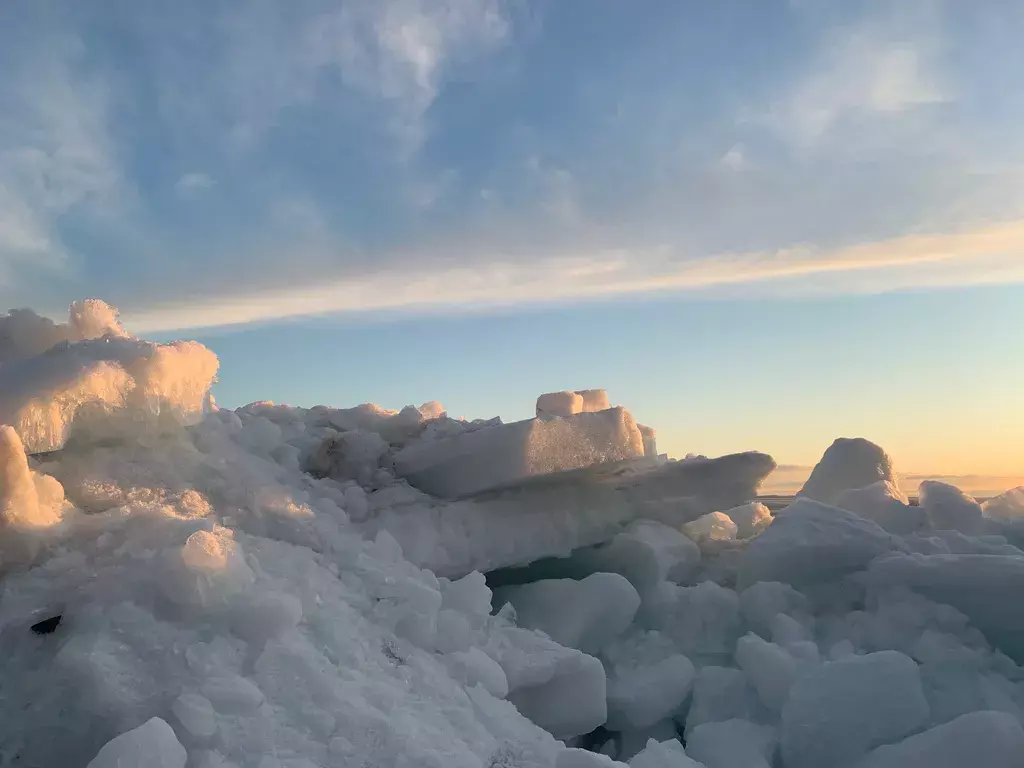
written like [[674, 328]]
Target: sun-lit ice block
[[569, 403], [848, 463], [509, 453], [103, 387]]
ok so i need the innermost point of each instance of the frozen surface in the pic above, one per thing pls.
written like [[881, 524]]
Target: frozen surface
[[262, 588], [848, 463]]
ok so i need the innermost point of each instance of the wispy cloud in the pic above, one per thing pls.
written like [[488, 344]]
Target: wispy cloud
[[991, 254], [194, 181], [56, 154], [878, 68], [397, 54]]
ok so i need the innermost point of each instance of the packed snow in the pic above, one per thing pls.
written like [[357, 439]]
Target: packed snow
[[282, 587]]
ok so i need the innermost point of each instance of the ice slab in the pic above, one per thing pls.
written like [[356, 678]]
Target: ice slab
[[504, 455], [843, 709], [979, 739], [810, 542], [550, 516], [848, 463]]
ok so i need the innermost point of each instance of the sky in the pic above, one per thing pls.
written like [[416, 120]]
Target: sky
[[760, 224]]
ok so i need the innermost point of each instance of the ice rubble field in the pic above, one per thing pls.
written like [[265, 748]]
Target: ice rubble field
[[282, 587]]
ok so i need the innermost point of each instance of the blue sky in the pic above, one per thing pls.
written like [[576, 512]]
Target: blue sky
[[758, 223]]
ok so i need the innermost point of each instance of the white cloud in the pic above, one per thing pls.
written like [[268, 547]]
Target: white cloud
[[867, 71], [735, 158], [194, 181], [398, 53], [990, 254]]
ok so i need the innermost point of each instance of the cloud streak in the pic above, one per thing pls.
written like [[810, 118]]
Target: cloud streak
[[991, 254]]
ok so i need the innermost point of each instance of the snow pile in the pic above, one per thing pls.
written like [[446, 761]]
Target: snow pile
[[280, 587]]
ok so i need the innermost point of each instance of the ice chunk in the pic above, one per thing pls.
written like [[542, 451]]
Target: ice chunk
[[731, 744], [840, 710], [810, 542], [979, 739], [559, 404], [719, 694], [151, 745], [104, 388], [650, 437], [1007, 506], [196, 714], [594, 400], [848, 463], [949, 508], [232, 694], [585, 614], [354, 455], [769, 668], [664, 754], [765, 600], [885, 504], [23, 333], [716, 526], [474, 667], [976, 585], [503, 455], [571, 703], [703, 621], [750, 519], [646, 553], [647, 680], [24, 512], [581, 758], [560, 689]]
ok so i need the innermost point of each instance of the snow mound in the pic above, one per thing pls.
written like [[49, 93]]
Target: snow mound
[[950, 509], [848, 463]]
